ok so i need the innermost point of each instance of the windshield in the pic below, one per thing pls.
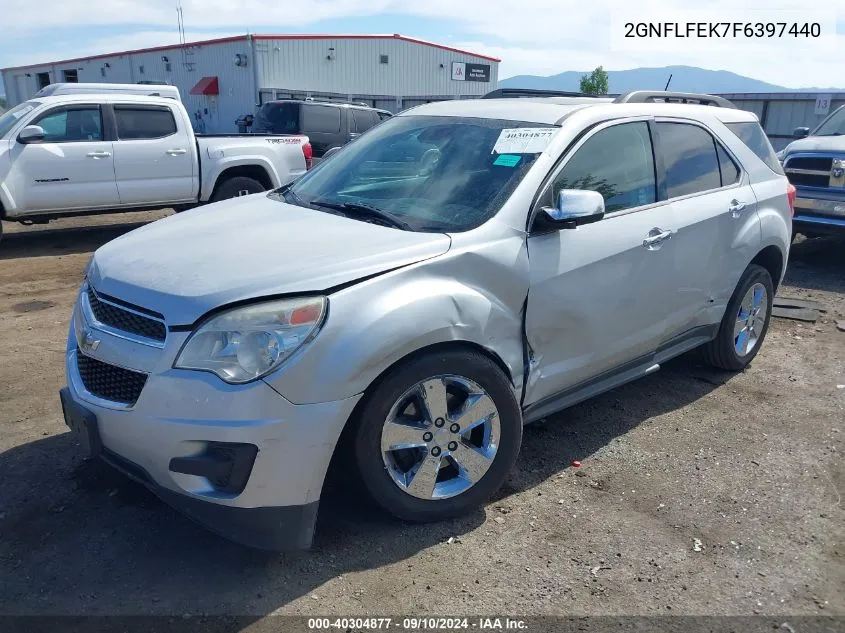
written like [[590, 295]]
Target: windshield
[[8, 120], [834, 125], [425, 173]]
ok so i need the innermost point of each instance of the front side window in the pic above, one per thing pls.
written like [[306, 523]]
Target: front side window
[[432, 173], [134, 123], [618, 162], [689, 156], [66, 125], [362, 120]]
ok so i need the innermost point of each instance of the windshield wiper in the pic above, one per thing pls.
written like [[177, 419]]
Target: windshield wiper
[[360, 208]]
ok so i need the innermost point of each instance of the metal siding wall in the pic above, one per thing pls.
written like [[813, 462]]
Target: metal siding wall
[[237, 92], [412, 69]]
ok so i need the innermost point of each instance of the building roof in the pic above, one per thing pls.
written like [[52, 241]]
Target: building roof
[[236, 38]]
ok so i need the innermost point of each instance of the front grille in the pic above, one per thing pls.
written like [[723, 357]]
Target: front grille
[[819, 163], [121, 319], [808, 180], [108, 381]]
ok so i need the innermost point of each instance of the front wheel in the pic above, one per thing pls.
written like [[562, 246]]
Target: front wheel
[[745, 323], [438, 436]]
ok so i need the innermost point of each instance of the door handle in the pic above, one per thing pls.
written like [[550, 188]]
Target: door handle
[[656, 237], [96, 155], [736, 208], [176, 152]]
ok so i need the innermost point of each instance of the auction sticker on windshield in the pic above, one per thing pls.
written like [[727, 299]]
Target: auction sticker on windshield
[[524, 140]]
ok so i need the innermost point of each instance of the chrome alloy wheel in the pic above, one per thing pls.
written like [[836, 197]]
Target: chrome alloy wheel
[[440, 437], [751, 319]]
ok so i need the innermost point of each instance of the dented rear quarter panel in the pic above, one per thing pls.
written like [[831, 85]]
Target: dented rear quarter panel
[[473, 294]]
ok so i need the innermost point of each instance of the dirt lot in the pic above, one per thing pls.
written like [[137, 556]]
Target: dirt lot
[[750, 466]]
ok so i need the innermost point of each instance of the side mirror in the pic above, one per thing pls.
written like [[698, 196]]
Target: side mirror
[[31, 134], [332, 151], [573, 207], [801, 132]]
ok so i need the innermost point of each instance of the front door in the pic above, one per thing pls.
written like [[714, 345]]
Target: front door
[[597, 292], [71, 169]]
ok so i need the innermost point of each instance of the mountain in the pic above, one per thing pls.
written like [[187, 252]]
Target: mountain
[[684, 79]]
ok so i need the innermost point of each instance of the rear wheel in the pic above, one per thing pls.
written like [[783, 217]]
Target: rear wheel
[[745, 323], [438, 436], [235, 187]]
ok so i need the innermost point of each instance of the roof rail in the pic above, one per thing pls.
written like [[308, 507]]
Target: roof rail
[[657, 96], [510, 93], [337, 101]]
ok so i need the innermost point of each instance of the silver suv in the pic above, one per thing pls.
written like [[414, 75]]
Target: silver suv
[[458, 271]]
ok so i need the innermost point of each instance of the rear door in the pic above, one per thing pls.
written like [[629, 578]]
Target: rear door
[[71, 169], [596, 296], [717, 227], [155, 156], [323, 125]]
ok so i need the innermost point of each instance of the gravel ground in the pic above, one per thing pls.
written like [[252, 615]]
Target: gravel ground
[[700, 492]]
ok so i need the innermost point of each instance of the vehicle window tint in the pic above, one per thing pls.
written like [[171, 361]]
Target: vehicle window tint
[[320, 118], [618, 162], [689, 156], [729, 169], [69, 125], [362, 120], [753, 136], [277, 118], [141, 123]]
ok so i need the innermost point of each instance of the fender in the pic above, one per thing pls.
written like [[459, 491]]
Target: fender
[[221, 164], [777, 232], [372, 325]]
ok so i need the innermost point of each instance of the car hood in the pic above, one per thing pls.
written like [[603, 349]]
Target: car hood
[[249, 247], [817, 144]]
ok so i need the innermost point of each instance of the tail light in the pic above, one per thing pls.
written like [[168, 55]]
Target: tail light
[[309, 155], [790, 194]]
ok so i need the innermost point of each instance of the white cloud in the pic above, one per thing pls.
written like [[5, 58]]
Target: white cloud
[[530, 36]]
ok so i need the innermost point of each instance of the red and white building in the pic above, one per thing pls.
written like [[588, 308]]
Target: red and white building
[[225, 78]]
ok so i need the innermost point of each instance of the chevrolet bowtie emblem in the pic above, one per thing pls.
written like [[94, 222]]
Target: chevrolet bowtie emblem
[[89, 342]]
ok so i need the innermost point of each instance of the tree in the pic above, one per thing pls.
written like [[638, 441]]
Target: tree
[[595, 83]]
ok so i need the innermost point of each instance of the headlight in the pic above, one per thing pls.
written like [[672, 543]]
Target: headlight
[[246, 343]]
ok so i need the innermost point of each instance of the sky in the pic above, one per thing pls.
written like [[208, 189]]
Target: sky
[[540, 37]]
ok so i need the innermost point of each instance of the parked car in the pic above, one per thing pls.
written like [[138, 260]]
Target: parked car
[[460, 270], [326, 124], [815, 164], [77, 154], [146, 88]]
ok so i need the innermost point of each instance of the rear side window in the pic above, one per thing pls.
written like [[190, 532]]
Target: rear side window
[[750, 133], [689, 156], [277, 118], [730, 170], [618, 162], [320, 118], [135, 123]]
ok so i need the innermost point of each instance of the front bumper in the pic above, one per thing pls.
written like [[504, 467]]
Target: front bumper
[[180, 414], [819, 213]]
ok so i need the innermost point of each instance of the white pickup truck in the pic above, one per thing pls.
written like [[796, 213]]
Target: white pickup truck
[[80, 154]]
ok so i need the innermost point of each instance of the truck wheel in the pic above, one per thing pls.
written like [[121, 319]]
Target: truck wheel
[[745, 323], [236, 186], [438, 436]]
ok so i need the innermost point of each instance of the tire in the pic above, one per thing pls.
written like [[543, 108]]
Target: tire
[[236, 186], [725, 351], [457, 372]]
